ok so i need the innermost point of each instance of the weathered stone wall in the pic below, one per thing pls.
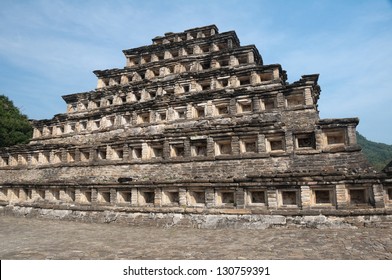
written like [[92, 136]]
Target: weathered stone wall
[[206, 221], [227, 167], [194, 122]]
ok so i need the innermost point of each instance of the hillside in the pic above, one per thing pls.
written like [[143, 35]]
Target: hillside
[[378, 154]]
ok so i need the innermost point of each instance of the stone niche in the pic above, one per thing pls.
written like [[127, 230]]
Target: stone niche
[[84, 196], [161, 116], [4, 161], [143, 118], [22, 159], [146, 197], [84, 155], [3, 194], [101, 153], [296, 99], [223, 147], [52, 194], [177, 150], [71, 156], [179, 113], [199, 111], [248, 145], [358, 196], [136, 152], [170, 197], [256, 197], [333, 137], [155, 150], [38, 194], [13, 195], [275, 143], [124, 196], [244, 106], [199, 147], [103, 196], [289, 198], [95, 124], [25, 194], [305, 141], [323, 196], [117, 153], [68, 195], [224, 197], [268, 104], [196, 197], [57, 157], [221, 109], [388, 196]]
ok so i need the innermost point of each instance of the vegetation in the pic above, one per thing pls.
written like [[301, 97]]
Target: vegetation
[[15, 128], [378, 154]]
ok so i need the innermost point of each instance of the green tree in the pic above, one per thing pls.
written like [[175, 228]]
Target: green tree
[[15, 127], [378, 154]]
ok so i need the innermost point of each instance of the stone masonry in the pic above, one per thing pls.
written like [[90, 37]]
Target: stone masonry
[[195, 123]]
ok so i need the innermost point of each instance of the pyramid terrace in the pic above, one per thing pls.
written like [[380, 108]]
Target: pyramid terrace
[[194, 123]]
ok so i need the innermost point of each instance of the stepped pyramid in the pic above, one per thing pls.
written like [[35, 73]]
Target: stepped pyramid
[[194, 123]]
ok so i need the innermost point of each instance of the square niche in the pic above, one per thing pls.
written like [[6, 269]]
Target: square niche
[[146, 197], [323, 197], [196, 198], [225, 197], [170, 197], [257, 197], [358, 196], [289, 198], [124, 196]]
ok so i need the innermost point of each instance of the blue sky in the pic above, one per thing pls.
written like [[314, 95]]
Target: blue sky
[[49, 48]]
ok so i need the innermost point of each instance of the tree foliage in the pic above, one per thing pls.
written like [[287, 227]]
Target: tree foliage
[[378, 154], [15, 127]]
